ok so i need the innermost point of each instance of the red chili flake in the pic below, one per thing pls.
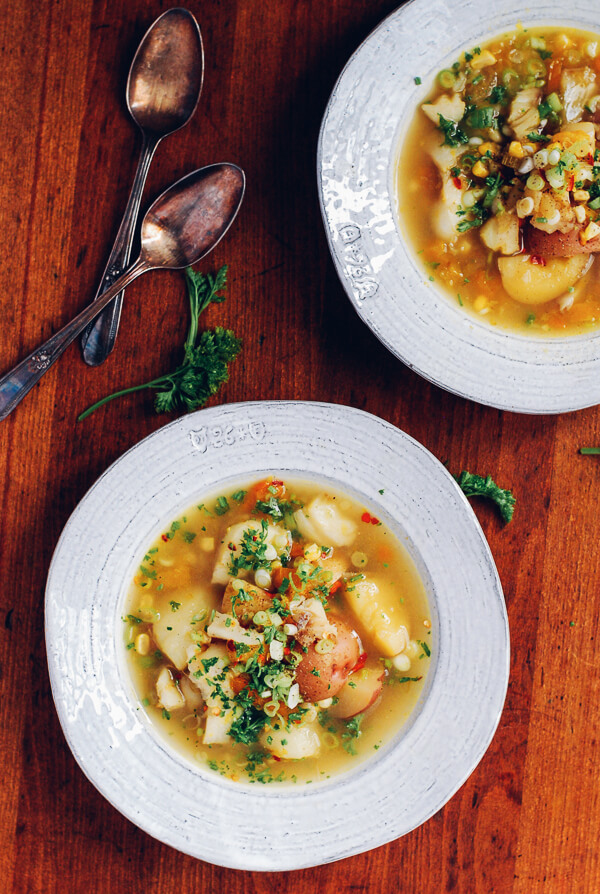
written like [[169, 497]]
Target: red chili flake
[[165, 538], [537, 259], [277, 483], [274, 756], [255, 539], [232, 547], [457, 182], [374, 521], [590, 158], [287, 650], [366, 517], [362, 660], [571, 182]]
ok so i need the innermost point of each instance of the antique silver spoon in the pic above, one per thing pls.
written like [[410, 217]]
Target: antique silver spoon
[[179, 228], [163, 89]]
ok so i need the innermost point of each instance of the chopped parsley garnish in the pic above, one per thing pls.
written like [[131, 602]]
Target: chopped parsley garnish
[[352, 733], [453, 134], [482, 118], [222, 506], [498, 95], [252, 550], [538, 137], [417, 81]]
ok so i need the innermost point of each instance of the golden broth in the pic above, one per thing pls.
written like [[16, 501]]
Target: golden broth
[[175, 577], [463, 267]]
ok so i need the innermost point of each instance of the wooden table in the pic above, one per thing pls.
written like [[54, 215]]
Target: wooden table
[[528, 819]]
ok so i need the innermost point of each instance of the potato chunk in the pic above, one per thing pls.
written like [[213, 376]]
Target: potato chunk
[[360, 691], [243, 600], [536, 284], [501, 233], [277, 536]]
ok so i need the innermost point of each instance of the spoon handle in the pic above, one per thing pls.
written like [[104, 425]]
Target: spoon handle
[[99, 339], [16, 383]]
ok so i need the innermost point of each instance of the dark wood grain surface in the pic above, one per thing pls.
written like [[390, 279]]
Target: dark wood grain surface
[[528, 819]]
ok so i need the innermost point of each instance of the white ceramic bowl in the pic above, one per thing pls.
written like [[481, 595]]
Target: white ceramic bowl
[[270, 827], [372, 103]]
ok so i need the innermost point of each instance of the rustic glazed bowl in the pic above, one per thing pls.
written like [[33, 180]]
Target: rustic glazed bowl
[[370, 109], [190, 808]]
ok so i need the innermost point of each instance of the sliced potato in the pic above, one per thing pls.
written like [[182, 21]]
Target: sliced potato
[[501, 233], [322, 674], [535, 283], [245, 601], [360, 691], [379, 610]]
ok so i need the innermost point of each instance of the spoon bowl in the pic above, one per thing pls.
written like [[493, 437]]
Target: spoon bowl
[[192, 216], [181, 226], [165, 78]]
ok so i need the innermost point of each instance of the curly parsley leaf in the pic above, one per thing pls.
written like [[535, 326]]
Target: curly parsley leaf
[[204, 367], [453, 134], [476, 486]]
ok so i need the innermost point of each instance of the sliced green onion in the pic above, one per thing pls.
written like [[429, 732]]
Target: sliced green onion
[[446, 79], [535, 182]]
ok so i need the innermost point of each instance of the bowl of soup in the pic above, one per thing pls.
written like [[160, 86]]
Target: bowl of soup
[[459, 177], [279, 610]]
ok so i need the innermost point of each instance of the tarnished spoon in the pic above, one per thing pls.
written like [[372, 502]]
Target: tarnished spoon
[[163, 89], [179, 228]]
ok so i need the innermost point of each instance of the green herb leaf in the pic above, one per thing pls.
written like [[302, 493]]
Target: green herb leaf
[[453, 135], [204, 367], [476, 486]]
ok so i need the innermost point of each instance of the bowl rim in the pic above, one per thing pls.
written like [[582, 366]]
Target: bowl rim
[[99, 722]]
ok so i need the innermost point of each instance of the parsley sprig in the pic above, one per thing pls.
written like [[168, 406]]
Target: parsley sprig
[[204, 367], [476, 486]]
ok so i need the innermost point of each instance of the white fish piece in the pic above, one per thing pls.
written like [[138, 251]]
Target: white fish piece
[[174, 628], [322, 522], [300, 742]]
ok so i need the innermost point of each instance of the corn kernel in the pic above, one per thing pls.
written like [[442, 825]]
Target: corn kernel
[[480, 303], [516, 149], [591, 231], [488, 147], [142, 644], [480, 170], [207, 544]]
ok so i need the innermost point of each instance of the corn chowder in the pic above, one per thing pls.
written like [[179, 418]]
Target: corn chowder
[[499, 181], [277, 632]]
